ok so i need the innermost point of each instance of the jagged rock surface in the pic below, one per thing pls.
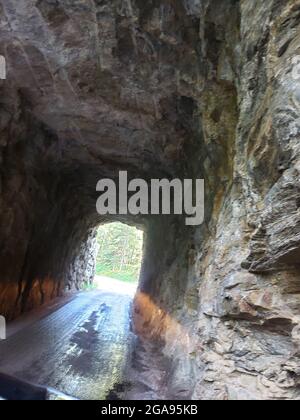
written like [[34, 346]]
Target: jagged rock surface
[[195, 88], [83, 268]]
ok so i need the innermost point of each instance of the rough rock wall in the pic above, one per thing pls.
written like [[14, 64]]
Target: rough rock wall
[[42, 226], [234, 332], [250, 303], [200, 88], [83, 267]]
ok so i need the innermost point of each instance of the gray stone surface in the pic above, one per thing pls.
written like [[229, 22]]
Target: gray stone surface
[[163, 88], [83, 267]]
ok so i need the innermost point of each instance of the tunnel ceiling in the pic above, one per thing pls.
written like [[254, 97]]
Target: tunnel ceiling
[[113, 83], [95, 87]]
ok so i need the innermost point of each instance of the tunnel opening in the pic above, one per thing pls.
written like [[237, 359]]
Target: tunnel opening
[[119, 256]]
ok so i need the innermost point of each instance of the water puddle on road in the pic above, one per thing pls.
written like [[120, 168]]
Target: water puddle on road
[[99, 351], [81, 350]]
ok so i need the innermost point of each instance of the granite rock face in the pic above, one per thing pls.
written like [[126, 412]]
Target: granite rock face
[[164, 88], [83, 267]]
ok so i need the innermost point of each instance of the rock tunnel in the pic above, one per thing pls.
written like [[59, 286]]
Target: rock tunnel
[[162, 89]]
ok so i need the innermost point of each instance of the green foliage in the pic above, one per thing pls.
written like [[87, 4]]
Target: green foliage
[[120, 252], [87, 287]]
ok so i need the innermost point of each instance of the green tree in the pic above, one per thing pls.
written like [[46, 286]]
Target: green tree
[[120, 251]]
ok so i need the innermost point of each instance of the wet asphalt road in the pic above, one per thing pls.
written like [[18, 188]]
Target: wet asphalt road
[[82, 349]]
